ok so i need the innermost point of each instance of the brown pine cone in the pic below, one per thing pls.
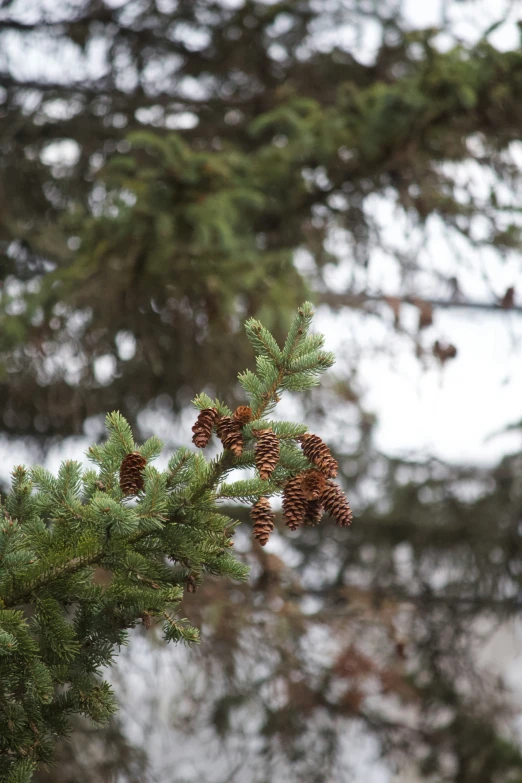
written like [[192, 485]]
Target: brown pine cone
[[243, 415], [314, 512], [267, 453], [229, 431], [444, 352], [131, 473], [190, 583], [294, 503], [319, 453], [336, 504], [313, 484], [263, 519], [202, 429]]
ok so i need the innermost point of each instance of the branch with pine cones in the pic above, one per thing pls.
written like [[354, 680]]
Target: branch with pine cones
[[154, 533], [304, 478]]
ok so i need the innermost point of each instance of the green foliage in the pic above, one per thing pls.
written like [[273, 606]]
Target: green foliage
[[59, 623], [175, 230], [295, 368]]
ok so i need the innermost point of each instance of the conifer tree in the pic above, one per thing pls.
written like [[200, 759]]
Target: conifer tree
[[152, 532]]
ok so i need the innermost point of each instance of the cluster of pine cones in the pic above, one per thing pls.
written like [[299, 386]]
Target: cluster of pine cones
[[305, 497], [228, 428], [308, 495], [230, 431]]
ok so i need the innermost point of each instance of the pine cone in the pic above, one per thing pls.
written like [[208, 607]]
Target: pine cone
[[314, 512], [336, 504], [243, 415], [313, 484], [319, 453], [202, 429], [267, 453], [131, 473], [231, 436], [444, 352], [263, 518], [190, 583], [294, 503]]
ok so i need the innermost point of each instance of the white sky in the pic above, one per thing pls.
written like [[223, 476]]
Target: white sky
[[451, 412]]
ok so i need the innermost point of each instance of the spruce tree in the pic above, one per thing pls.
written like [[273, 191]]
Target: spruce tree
[[152, 533]]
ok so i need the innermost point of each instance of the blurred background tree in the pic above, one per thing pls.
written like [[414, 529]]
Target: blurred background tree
[[171, 167]]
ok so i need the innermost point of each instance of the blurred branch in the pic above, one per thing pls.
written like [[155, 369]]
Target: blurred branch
[[337, 301]]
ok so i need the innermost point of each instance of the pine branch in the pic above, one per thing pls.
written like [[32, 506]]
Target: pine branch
[[143, 527]]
